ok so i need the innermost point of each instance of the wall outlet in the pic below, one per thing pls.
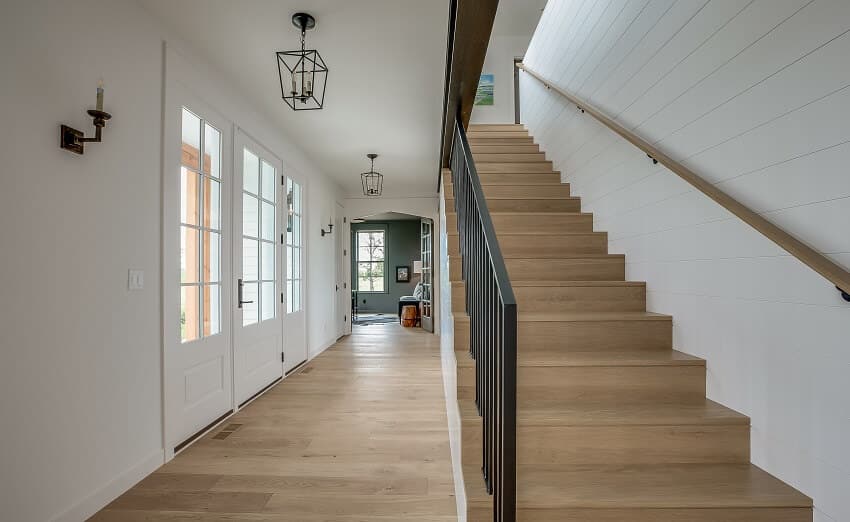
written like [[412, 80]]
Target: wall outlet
[[135, 279]]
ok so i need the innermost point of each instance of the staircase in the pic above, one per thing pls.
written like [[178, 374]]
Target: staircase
[[612, 422]]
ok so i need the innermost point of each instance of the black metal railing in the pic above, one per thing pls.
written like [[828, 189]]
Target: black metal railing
[[491, 306]]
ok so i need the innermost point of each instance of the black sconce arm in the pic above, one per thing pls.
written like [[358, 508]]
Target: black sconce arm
[[73, 140]]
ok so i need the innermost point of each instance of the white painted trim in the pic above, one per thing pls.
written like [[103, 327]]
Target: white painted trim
[[105, 494], [449, 364]]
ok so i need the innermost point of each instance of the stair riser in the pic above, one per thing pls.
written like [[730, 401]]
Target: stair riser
[[543, 246], [554, 447], [518, 167], [505, 149], [600, 383], [528, 205], [595, 335], [461, 336], [518, 223], [477, 136], [479, 513], [581, 298], [490, 140], [455, 269], [497, 127], [590, 269], [549, 179], [553, 246], [627, 298], [508, 157], [458, 298], [493, 192], [616, 383]]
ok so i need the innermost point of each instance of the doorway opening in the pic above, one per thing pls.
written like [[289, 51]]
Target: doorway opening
[[392, 270]]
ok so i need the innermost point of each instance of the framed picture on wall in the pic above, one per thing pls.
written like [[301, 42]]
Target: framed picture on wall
[[402, 274]]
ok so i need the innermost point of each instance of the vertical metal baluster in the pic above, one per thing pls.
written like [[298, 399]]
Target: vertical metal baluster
[[491, 307]]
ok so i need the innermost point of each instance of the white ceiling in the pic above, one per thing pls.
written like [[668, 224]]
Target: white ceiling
[[386, 61]]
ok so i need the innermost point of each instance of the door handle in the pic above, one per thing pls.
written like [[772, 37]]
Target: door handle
[[240, 286]]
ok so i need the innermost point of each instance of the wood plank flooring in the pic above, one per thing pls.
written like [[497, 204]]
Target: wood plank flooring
[[360, 434]]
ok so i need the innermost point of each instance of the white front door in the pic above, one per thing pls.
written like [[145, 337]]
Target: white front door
[[258, 328], [295, 322], [197, 180]]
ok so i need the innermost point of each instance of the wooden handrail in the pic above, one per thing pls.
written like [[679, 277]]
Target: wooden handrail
[[821, 264]]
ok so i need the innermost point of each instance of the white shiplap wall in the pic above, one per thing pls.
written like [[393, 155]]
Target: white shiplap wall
[[753, 96]]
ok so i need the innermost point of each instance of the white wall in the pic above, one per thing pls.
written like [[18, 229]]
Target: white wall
[[80, 382], [499, 62], [322, 195], [754, 97], [448, 361]]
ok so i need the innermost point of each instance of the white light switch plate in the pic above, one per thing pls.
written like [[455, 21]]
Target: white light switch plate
[[136, 279]]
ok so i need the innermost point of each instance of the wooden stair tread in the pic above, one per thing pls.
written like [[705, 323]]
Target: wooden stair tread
[[552, 234], [660, 486], [546, 358], [544, 215], [554, 317], [550, 283], [584, 413], [546, 283], [532, 198]]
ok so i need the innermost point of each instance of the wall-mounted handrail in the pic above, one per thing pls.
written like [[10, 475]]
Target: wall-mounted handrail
[[821, 264], [491, 306]]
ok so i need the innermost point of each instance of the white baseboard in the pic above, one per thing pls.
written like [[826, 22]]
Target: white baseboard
[[105, 494], [449, 367], [312, 355]]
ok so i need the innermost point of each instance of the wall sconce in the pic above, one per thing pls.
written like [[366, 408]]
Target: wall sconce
[[75, 140], [329, 230]]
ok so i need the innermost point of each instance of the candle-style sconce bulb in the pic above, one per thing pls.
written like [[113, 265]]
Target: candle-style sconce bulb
[[74, 140]]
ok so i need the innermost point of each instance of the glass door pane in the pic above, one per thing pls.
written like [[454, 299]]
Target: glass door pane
[[200, 228], [259, 210]]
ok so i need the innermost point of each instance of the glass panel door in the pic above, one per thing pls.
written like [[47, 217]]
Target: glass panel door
[[427, 276], [258, 327], [197, 359]]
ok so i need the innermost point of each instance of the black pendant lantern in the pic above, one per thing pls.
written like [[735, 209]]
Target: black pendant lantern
[[373, 182], [303, 84]]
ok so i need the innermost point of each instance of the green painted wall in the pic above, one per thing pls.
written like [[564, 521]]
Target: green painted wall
[[402, 242]]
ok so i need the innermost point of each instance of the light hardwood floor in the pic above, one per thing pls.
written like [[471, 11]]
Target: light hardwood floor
[[359, 434]]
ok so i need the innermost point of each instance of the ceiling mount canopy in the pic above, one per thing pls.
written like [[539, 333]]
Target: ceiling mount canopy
[[373, 182], [303, 84]]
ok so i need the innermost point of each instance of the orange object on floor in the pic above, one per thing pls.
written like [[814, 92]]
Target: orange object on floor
[[408, 316]]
